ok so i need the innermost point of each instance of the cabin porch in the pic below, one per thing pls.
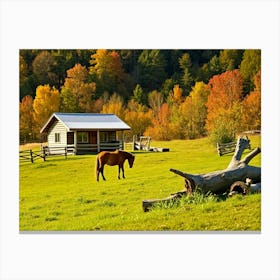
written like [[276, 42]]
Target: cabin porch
[[94, 141]]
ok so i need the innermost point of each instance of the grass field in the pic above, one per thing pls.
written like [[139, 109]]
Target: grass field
[[62, 194]]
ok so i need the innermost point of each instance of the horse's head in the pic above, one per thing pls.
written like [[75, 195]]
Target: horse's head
[[131, 159]]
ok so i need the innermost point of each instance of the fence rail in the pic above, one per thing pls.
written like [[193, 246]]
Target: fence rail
[[226, 148], [30, 155], [47, 151], [58, 151]]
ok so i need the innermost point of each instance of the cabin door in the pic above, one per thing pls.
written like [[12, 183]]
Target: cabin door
[[93, 137], [70, 138]]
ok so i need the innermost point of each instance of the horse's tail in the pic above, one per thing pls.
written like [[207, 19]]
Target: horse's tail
[[97, 166]]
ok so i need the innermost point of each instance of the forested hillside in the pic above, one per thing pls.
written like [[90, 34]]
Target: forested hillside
[[167, 94]]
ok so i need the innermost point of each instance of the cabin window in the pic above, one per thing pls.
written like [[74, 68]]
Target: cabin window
[[82, 137], [57, 137], [108, 136]]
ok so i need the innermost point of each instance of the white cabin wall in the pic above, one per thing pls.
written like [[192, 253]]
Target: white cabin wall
[[57, 127]]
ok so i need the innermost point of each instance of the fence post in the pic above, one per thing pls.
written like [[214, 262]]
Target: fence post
[[219, 149], [44, 153], [31, 156], [65, 152]]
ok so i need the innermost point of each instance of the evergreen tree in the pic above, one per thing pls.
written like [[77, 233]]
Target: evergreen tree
[[151, 70]]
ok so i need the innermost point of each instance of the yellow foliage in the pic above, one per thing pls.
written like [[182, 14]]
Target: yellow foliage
[[45, 103], [76, 93], [26, 116], [114, 106], [138, 118]]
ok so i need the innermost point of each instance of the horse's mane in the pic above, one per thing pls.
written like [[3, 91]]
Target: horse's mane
[[126, 153]]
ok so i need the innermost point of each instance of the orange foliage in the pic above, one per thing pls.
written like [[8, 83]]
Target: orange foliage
[[251, 117], [116, 65], [225, 91], [106, 63], [161, 128], [177, 94]]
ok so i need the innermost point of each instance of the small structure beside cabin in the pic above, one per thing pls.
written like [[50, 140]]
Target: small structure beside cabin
[[84, 132], [144, 143]]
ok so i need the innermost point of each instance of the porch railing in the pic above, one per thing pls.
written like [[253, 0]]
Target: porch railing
[[82, 148]]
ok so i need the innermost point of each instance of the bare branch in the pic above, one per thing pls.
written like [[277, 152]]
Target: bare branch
[[250, 156]]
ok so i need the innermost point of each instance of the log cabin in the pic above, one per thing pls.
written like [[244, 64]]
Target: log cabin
[[84, 132]]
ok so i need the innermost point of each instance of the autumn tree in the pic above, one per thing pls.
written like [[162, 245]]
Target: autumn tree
[[193, 111], [138, 117], [26, 120], [251, 113], [155, 100], [168, 86], [45, 103], [77, 94], [107, 71], [176, 96], [224, 106], [249, 67], [23, 70], [66, 59], [139, 95], [174, 101], [161, 128], [115, 105], [43, 68]]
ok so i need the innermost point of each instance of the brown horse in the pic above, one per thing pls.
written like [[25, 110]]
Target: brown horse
[[112, 158]]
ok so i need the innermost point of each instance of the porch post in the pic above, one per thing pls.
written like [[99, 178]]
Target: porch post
[[122, 140], [98, 141], [75, 142]]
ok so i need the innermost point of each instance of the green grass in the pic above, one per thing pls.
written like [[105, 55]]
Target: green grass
[[62, 194]]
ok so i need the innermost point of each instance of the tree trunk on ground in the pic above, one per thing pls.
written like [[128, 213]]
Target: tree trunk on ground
[[218, 181]]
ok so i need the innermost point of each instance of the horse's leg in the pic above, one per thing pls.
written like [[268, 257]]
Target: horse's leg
[[122, 171], [102, 172], [119, 171], [97, 167]]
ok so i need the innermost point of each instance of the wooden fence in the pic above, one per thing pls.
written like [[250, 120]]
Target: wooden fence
[[29, 155], [46, 151], [58, 151], [227, 148]]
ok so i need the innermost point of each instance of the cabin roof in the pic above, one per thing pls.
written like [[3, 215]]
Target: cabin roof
[[84, 121]]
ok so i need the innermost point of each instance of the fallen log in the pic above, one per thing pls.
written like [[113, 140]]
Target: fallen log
[[220, 181], [148, 204], [216, 182]]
